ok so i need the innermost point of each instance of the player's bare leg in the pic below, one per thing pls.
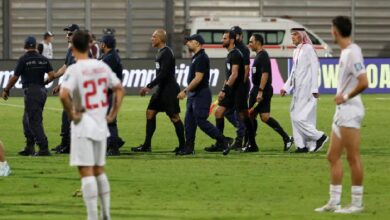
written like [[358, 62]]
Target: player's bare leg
[[351, 142], [336, 172]]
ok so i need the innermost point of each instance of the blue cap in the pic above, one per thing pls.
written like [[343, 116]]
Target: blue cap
[[109, 40], [30, 41], [196, 37]]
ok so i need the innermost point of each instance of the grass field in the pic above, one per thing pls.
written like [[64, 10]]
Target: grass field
[[265, 185]]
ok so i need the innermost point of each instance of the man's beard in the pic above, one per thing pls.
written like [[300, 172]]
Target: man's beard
[[225, 45]]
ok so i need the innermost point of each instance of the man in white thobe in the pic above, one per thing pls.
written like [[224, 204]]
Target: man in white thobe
[[303, 83]]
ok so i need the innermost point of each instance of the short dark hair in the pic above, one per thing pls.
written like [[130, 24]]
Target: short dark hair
[[259, 38], [343, 25], [80, 41]]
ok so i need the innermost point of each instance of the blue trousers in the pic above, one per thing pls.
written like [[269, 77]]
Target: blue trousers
[[198, 106], [34, 102]]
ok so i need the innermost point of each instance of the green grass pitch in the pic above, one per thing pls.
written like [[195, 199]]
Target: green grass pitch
[[270, 184]]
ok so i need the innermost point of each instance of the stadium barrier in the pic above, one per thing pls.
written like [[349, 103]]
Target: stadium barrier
[[139, 72]]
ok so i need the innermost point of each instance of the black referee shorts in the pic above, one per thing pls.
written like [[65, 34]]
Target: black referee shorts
[[237, 99], [165, 99], [265, 105]]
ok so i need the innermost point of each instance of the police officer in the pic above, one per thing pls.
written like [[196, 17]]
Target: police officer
[[262, 90], [32, 68], [165, 98], [64, 146], [234, 93], [112, 59], [199, 97]]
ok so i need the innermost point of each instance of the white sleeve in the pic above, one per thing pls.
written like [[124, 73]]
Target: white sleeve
[[357, 62], [112, 79], [70, 79], [288, 85], [314, 70]]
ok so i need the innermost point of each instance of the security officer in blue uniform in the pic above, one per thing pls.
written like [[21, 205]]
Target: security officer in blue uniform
[[31, 67], [112, 59], [64, 146], [199, 97]]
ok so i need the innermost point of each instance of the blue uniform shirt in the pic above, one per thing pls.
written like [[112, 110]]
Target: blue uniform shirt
[[200, 63], [32, 68], [113, 60]]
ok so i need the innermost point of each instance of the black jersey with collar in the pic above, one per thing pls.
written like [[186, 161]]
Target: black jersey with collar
[[165, 67], [261, 64], [235, 57]]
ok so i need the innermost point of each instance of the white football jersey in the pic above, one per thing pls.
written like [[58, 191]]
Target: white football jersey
[[351, 65], [47, 50], [88, 82]]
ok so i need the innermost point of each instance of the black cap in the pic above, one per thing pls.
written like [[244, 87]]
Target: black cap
[[236, 29], [110, 31], [48, 34], [30, 42], [72, 28], [196, 37], [109, 40], [297, 29]]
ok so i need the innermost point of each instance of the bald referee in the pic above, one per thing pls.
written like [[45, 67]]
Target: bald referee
[[165, 97]]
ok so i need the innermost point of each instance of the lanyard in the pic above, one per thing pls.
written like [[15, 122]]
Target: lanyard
[[295, 65]]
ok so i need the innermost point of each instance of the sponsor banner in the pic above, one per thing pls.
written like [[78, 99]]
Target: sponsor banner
[[137, 73], [378, 74]]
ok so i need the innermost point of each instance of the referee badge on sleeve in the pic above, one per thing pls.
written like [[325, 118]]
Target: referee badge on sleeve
[[157, 65], [228, 66], [254, 70]]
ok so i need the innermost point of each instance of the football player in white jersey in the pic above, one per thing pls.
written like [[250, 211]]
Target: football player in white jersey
[[84, 97], [347, 119]]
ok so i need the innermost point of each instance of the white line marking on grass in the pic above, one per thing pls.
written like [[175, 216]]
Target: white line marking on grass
[[379, 98]]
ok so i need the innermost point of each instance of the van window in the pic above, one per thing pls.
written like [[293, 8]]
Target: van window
[[313, 39], [271, 37]]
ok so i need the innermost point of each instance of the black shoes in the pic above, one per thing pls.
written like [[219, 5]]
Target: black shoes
[[220, 147], [237, 145], [27, 151], [63, 150], [188, 149], [226, 145], [250, 149], [141, 148], [320, 143], [113, 152], [42, 153], [288, 143], [302, 150]]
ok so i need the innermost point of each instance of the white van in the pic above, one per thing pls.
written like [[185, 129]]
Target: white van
[[276, 33]]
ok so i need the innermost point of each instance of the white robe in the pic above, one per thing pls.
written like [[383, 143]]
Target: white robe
[[303, 82]]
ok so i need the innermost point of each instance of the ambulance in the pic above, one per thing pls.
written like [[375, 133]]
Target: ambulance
[[276, 33]]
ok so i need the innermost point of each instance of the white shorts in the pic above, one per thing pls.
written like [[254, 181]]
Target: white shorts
[[349, 116], [87, 152]]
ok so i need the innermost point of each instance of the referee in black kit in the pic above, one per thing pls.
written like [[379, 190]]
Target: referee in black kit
[[165, 98], [199, 97], [112, 59], [234, 94], [262, 91], [32, 68]]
